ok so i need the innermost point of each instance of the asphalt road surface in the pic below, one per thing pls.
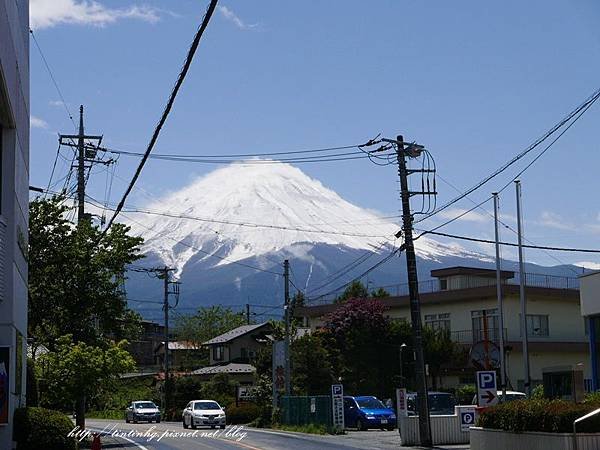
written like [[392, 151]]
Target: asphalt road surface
[[172, 436]]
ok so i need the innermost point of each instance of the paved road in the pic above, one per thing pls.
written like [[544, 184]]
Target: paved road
[[174, 437]]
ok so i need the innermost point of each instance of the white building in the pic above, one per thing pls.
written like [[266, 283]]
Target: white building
[[14, 196]]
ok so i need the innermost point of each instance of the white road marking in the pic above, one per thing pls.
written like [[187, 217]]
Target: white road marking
[[140, 446]]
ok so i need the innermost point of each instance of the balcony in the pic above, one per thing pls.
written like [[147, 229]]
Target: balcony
[[469, 337]]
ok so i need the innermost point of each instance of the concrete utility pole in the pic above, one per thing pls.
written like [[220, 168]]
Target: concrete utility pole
[[85, 153], [413, 288], [500, 302], [248, 313], [287, 370], [525, 338], [164, 274]]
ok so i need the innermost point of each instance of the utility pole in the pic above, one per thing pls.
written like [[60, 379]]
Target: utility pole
[[500, 301], [85, 153], [287, 371], [525, 338], [402, 151], [164, 274], [248, 313]]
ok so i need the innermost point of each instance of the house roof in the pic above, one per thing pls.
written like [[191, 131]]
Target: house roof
[[235, 333], [227, 368], [180, 345], [474, 271]]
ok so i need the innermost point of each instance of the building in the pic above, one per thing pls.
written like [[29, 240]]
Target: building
[[14, 199], [183, 355], [590, 310], [143, 349], [463, 301]]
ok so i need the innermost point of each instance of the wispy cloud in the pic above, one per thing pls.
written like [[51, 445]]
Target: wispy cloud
[[553, 220], [36, 122], [233, 17], [49, 13], [468, 217], [588, 265]]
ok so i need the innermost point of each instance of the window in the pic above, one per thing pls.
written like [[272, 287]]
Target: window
[[537, 325], [438, 321], [443, 284], [218, 353], [485, 324]]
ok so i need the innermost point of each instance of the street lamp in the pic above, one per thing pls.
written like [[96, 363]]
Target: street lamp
[[402, 347]]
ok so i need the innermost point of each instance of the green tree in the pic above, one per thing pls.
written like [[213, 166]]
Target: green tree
[[354, 290], [440, 350], [204, 325], [76, 370], [312, 371], [75, 279]]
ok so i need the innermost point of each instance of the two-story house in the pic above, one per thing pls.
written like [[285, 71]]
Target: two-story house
[[463, 300]]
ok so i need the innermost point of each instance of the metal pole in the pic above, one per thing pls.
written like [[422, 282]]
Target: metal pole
[[522, 292], [500, 301], [80, 169], [415, 306], [287, 373], [166, 362]]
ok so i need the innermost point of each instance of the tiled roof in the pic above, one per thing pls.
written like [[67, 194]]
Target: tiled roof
[[236, 332], [227, 368]]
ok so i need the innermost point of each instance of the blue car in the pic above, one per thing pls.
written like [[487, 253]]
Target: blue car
[[367, 412]]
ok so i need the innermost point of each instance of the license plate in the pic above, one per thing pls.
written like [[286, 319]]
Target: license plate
[[384, 421]]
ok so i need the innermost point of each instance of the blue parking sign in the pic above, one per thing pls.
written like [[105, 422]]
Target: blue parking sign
[[467, 419]]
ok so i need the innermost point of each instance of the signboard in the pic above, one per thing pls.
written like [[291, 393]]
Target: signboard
[[401, 403], [4, 384], [246, 393], [337, 406], [487, 390], [467, 418]]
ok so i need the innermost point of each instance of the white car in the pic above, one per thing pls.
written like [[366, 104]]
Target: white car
[[510, 396], [203, 413], [142, 411]]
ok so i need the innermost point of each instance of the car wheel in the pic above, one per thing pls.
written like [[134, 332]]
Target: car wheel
[[391, 428], [134, 420], [192, 424], [126, 419], [158, 421], [213, 427], [359, 425], [222, 427], [184, 424]]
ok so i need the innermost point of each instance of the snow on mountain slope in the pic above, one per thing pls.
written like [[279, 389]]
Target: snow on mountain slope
[[244, 211]]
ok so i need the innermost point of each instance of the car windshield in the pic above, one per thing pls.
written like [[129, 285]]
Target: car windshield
[[441, 402], [145, 405], [370, 403], [206, 405]]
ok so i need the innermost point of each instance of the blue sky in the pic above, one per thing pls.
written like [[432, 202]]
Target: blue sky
[[475, 82]]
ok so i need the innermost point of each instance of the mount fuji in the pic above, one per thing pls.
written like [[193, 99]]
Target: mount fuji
[[227, 234]]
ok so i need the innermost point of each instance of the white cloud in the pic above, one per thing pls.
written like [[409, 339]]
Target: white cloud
[[233, 17], [36, 122], [554, 220], [471, 216], [49, 13], [56, 103]]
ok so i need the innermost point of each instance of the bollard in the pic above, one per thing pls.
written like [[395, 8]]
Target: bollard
[[96, 444]]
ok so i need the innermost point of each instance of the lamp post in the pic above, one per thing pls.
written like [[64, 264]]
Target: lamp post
[[402, 347]]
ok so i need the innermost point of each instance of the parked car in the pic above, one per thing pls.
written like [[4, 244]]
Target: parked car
[[440, 403], [510, 396], [367, 412], [142, 411], [203, 413]]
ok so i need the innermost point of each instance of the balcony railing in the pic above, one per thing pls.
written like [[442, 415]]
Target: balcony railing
[[472, 336], [469, 282]]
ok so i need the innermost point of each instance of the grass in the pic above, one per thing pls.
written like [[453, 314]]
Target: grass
[[311, 428]]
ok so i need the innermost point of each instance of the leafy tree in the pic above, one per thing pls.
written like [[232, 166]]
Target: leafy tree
[[354, 290], [380, 293], [204, 325], [75, 370], [312, 369], [75, 279], [439, 350]]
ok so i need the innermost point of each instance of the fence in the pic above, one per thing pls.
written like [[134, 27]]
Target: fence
[[305, 410]]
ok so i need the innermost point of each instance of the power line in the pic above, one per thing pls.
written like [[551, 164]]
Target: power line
[[186, 66], [573, 114], [510, 244]]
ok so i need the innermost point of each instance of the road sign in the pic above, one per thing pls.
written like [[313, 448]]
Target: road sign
[[467, 418], [487, 390], [401, 403], [337, 406]]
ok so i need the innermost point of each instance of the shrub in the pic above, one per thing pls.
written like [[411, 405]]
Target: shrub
[[115, 414], [554, 416], [37, 428], [464, 394], [538, 392], [242, 414]]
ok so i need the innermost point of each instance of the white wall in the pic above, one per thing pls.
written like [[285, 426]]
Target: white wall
[[589, 286]]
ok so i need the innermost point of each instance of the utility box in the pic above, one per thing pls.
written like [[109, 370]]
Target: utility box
[[563, 382]]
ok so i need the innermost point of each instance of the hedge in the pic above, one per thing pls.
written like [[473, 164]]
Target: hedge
[[242, 414], [553, 416], [40, 428]]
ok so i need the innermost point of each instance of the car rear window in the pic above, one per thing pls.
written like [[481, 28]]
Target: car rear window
[[371, 403]]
